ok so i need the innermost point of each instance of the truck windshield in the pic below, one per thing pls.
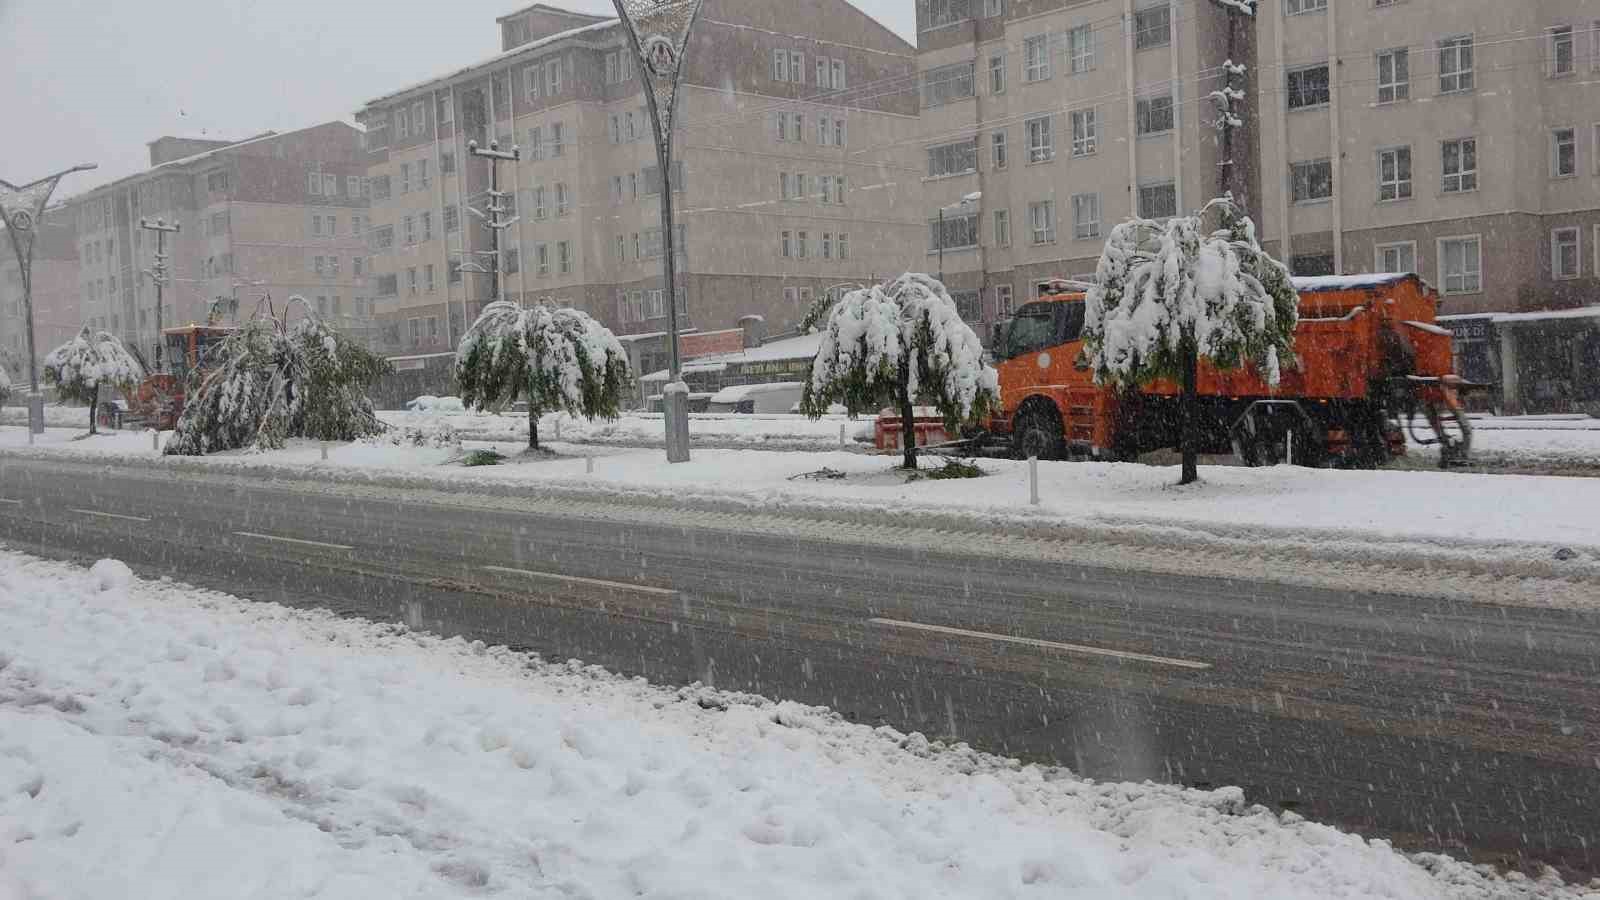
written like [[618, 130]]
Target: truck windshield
[[1033, 329]]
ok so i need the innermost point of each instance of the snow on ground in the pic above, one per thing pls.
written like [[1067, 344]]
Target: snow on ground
[[161, 741], [790, 431]]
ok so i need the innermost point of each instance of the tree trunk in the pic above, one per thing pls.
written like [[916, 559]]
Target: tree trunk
[[1189, 437], [533, 427], [94, 407], [908, 430]]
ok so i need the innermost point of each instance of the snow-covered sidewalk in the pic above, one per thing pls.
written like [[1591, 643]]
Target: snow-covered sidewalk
[[161, 741]]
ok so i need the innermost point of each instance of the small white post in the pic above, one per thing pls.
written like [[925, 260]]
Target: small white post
[[588, 464], [324, 451], [558, 428], [842, 444], [155, 440], [1289, 450], [1033, 480]]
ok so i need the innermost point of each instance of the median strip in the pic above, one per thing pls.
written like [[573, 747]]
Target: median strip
[[1048, 645], [106, 515], [592, 582], [290, 540]]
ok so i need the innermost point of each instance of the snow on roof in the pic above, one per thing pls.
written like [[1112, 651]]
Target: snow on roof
[[503, 55], [803, 347], [733, 393], [1582, 312], [266, 135], [1349, 282], [693, 368]]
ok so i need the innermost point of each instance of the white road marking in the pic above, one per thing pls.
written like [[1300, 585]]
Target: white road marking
[[106, 515], [594, 582], [290, 540], [1049, 645]]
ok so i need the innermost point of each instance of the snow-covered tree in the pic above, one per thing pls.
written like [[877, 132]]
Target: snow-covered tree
[[5, 385], [901, 342], [91, 361], [272, 380], [558, 359], [1167, 294]]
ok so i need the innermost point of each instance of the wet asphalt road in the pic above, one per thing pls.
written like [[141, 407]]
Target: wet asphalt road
[[1443, 725]]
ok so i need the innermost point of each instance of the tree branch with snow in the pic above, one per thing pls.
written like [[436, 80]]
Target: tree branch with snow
[[93, 360]]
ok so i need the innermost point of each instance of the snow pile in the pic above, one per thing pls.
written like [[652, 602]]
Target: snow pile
[[157, 740], [428, 403]]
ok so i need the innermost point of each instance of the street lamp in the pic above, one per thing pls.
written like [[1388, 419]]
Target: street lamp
[[21, 209], [658, 31], [962, 205]]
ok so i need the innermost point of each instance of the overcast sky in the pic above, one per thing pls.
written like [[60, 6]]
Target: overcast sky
[[93, 81]]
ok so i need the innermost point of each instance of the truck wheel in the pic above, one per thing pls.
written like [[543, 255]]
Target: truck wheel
[[1037, 432]]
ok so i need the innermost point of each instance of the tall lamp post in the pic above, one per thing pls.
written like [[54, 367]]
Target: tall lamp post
[[658, 31], [158, 271], [962, 205], [22, 209]]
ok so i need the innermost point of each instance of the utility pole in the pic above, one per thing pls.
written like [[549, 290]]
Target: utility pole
[[492, 217], [22, 209], [158, 271]]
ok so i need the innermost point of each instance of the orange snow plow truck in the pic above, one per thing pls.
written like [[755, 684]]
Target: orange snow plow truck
[[1371, 365]]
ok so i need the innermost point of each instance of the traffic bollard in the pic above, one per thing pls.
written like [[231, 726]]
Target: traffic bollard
[[324, 451], [588, 464], [1033, 480]]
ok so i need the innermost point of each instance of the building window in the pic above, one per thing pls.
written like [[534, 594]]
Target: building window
[[1036, 58], [1155, 115], [1002, 301], [938, 13], [538, 201], [532, 77], [1002, 228], [1455, 64], [536, 143], [1563, 152], [802, 241], [797, 67], [1311, 181], [452, 219], [1563, 51], [1394, 174], [1080, 49], [1158, 201], [997, 145], [411, 280], [316, 226], [1085, 132], [419, 119], [997, 73], [402, 122], [953, 159], [541, 259], [1394, 75], [1152, 27], [1564, 253], [658, 304], [427, 226], [563, 199], [427, 277], [1399, 258], [1461, 265], [969, 305], [557, 147], [409, 230], [405, 178], [1042, 221], [1308, 87], [314, 184], [780, 65], [1085, 216], [563, 257], [992, 8], [786, 244], [960, 232], [453, 272], [616, 128], [947, 84], [844, 245], [1296, 7], [836, 69], [1311, 265], [1041, 139], [1460, 161], [552, 77], [827, 245]]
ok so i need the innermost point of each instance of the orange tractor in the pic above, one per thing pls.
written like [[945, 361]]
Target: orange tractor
[[158, 400], [1371, 364]]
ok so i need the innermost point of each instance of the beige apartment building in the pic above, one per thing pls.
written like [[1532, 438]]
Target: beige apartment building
[[55, 296], [278, 213], [797, 170]]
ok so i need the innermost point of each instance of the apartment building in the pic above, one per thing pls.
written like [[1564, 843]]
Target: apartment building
[[278, 213], [1065, 117], [797, 170], [55, 295]]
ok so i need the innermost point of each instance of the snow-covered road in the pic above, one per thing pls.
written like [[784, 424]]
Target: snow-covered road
[[161, 741]]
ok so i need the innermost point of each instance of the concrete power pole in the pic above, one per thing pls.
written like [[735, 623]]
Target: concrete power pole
[[158, 272], [496, 206]]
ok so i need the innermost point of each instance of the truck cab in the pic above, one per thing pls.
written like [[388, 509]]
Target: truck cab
[[1050, 405]]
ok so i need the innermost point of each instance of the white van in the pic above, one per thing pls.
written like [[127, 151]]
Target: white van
[[777, 397]]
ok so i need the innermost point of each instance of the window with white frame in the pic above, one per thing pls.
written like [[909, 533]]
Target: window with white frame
[[786, 244], [836, 70], [1085, 216], [1154, 115], [658, 303], [1297, 7], [947, 84], [419, 118], [1311, 181], [1085, 132], [997, 73], [314, 184], [969, 305], [1041, 139], [997, 148], [536, 142], [1565, 253], [1563, 51], [953, 159], [822, 71], [1394, 174], [1461, 264], [1002, 228], [780, 65], [1080, 49], [557, 147], [802, 242], [797, 66], [992, 8], [1459, 160], [552, 77], [1396, 257], [1563, 152], [541, 258], [1308, 87], [563, 199], [1159, 200], [532, 77], [937, 13], [1002, 301], [563, 257], [402, 124], [843, 245], [1042, 221], [785, 186], [1394, 75], [1036, 58], [1152, 27], [827, 245], [959, 232], [1455, 64]]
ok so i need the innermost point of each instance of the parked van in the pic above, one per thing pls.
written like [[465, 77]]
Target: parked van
[[777, 397]]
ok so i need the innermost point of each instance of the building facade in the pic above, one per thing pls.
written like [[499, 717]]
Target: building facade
[[55, 295], [796, 171], [278, 215]]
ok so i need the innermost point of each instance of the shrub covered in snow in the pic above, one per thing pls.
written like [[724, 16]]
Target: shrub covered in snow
[[82, 366], [1167, 294], [903, 342], [558, 359], [270, 381]]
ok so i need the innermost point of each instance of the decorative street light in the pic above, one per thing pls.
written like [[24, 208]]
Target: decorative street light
[[658, 30], [21, 209], [962, 205]]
